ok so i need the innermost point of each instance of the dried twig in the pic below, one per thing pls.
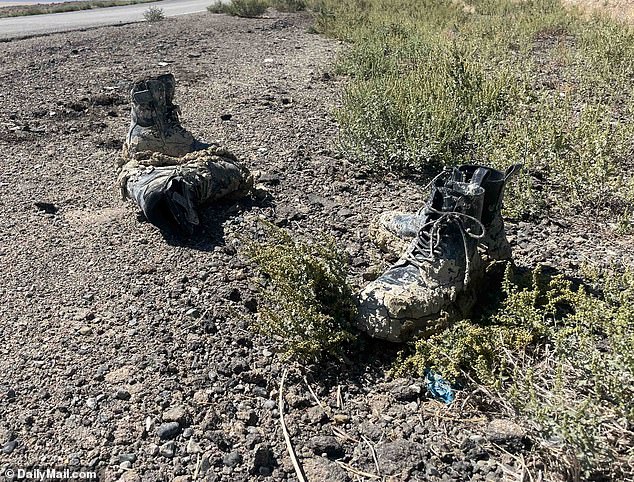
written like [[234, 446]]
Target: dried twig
[[197, 470], [341, 434], [339, 398], [352, 470], [374, 457], [315, 396], [287, 438]]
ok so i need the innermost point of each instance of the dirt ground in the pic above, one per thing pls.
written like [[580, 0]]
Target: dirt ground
[[130, 353]]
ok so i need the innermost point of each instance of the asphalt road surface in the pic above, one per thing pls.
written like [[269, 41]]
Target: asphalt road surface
[[27, 26]]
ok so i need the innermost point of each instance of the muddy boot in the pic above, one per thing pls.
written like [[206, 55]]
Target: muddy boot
[[170, 195], [432, 284], [392, 230], [167, 200], [155, 125]]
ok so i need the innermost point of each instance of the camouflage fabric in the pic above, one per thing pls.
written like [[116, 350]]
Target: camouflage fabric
[[391, 231], [169, 190], [433, 282], [167, 172], [155, 124]]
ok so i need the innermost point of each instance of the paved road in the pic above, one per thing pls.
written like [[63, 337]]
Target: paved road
[[16, 27]]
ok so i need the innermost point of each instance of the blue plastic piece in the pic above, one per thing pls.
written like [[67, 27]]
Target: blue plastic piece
[[438, 387]]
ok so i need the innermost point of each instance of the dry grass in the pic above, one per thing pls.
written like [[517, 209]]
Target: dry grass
[[618, 9]]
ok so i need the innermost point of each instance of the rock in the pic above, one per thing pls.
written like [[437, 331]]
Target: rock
[[506, 433], [400, 455], [127, 457], [85, 330], [168, 430], [403, 391], [273, 179], [201, 397], [167, 449], [325, 444], [249, 417], [176, 414], [341, 418], [193, 447], [270, 404], [193, 313], [130, 476], [316, 415], [262, 457], [232, 459], [9, 447], [321, 469], [122, 394], [253, 439]]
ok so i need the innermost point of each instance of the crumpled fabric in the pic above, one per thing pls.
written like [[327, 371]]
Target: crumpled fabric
[[438, 387]]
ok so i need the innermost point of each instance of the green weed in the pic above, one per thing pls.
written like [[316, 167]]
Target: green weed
[[240, 8], [494, 82], [307, 304], [562, 356], [153, 14]]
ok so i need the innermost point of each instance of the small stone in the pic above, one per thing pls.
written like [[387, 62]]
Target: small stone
[[188, 432], [91, 403], [127, 457], [270, 404], [341, 418], [167, 449], [259, 391], [85, 330], [193, 313], [201, 397], [317, 416], [125, 465], [320, 469], [225, 117], [122, 394], [168, 430], [328, 445], [262, 457], [9, 447], [176, 414], [232, 459], [249, 417], [149, 424], [193, 447]]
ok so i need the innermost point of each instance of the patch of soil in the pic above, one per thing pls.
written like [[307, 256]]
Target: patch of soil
[[131, 353]]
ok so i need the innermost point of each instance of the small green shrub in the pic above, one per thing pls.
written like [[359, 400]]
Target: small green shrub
[[154, 14], [563, 357], [492, 82], [240, 8], [307, 303], [289, 5]]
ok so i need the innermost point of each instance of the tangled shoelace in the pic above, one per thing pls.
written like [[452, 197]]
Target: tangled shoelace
[[424, 247]]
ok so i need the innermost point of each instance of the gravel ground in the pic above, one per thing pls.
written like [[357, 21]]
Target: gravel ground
[[130, 353]]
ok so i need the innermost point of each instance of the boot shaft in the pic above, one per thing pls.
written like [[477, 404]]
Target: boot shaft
[[493, 182]]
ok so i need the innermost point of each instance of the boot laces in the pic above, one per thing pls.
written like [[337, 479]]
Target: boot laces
[[425, 247]]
